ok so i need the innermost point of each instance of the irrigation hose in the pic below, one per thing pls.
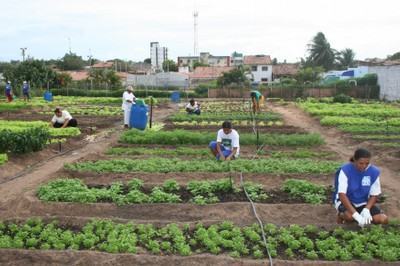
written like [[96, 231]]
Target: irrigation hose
[[257, 217]]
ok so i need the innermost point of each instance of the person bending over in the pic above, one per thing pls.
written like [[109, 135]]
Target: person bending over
[[62, 119]]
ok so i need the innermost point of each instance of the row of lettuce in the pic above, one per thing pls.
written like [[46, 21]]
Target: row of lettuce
[[23, 136], [375, 121], [288, 242], [197, 192]]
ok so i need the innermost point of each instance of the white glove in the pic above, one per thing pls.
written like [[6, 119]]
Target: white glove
[[360, 220], [366, 214]]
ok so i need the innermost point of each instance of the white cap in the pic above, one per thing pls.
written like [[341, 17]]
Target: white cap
[[24, 81], [8, 81]]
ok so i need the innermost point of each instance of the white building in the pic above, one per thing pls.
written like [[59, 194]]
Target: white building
[[260, 67], [388, 80], [157, 56]]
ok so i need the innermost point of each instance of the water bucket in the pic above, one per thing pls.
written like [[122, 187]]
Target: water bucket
[[48, 96], [138, 118], [175, 96]]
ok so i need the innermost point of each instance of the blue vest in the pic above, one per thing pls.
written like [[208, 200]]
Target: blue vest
[[358, 183], [8, 89], [25, 88]]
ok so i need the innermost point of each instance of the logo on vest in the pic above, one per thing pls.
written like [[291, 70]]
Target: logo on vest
[[366, 181]]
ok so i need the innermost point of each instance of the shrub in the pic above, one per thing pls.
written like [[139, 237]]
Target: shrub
[[28, 140], [342, 98]]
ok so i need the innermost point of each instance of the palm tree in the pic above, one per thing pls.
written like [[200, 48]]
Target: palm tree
[[321, 53], [346, 58]]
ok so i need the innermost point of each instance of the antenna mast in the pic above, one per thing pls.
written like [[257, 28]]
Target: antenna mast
[[196, 39]]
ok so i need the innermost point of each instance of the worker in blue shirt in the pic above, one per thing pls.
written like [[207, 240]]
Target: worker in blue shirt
[[8, 91], [25, 91], [357, 187]]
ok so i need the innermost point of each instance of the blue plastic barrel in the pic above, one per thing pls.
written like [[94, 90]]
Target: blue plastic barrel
[[175, 96], [138, 117], [48, 96]]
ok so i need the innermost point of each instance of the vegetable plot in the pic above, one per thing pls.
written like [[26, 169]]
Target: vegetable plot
[[165, 165], [293, 242]]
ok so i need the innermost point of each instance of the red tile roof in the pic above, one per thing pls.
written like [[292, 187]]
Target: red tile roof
[[209, 72], [77, 75], [257, 60]]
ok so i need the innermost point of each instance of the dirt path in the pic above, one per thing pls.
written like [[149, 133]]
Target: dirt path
[[344, 148], [13, 191]]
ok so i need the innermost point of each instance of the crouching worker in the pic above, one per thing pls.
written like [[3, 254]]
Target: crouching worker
[[357, 187], [227, 145], [62, 118], [193, 107]]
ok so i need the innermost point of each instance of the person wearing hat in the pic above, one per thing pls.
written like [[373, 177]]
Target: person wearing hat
[[25, 91], [193, 107], [62, 119], [128, 98], [8, 91]]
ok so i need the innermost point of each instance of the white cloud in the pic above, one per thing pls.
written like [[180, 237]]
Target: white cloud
[[123, 28]]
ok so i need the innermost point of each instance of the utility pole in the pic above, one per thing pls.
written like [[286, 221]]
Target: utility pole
[[23, 53], [69, 45]]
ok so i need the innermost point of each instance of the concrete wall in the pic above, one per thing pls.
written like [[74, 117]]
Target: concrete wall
[[165, 79], [388, 81]]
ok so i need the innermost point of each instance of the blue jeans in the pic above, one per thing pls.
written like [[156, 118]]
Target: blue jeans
[[225, 151]]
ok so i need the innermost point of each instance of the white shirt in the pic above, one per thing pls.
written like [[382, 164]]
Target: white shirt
[[342, 188], [64, 116], [229, 141], [192, 107], [125, 97]]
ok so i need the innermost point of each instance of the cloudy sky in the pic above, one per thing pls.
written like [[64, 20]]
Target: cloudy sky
[[124, 28]]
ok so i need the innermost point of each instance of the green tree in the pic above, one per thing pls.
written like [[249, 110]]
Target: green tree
[[199, 64], [71, 61], [170, 65], [35, 71], [309, 74], [104, 77], [274, 61], [147, 61], [346, 58], [235, 76], [320, 52], [395, 56], [63, 79]]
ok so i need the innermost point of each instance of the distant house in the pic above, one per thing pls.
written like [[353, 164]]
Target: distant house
[[388, 73], [260, 68], [204, 58], [284, 71], [236, 59], [205, 74]]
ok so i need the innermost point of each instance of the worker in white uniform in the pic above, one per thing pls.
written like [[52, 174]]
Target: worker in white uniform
[[127, 100]]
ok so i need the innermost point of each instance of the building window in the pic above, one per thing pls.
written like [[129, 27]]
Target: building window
[[264, 68], [253, 68], [264, 79]]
